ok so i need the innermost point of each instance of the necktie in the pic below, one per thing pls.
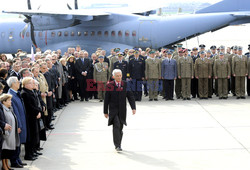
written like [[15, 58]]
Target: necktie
[[82, 61], [168, 60]]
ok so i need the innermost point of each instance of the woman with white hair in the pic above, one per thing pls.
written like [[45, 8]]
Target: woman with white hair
[[11, 137]]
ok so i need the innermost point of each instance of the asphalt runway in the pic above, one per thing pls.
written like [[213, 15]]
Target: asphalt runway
[[165, 135]]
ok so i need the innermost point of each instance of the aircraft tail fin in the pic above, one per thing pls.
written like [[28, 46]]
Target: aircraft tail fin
[[227, 6]]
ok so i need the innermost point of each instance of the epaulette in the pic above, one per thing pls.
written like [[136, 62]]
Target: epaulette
[[128, 75]]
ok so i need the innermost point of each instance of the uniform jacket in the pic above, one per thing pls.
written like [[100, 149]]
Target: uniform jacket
[[115, 101], [222, 68], [153, 68], [169, 69], [112, 61], [123, 66], [137, 68], [101, 72], [202, 69], [239, 65], [185, 67]]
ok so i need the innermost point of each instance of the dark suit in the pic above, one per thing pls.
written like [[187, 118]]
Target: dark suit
[[116, 106], [82, 66], [194, 81], [13, 73], [49, 99]]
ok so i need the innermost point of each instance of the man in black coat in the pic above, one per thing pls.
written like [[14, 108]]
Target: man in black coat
[[115, 106], [82, 67]]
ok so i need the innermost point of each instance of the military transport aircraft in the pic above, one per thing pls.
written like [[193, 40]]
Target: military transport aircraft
[[105, 28]]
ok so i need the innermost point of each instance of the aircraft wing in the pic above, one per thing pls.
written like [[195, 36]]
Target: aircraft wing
[[76, 13]]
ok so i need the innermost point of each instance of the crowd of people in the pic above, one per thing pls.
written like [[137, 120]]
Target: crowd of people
[[34, 88]]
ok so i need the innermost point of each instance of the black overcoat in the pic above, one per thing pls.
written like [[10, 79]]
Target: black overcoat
[[115, 101]]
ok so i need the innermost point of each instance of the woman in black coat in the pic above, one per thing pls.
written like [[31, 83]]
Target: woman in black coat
[[33, 113], [72, 84]]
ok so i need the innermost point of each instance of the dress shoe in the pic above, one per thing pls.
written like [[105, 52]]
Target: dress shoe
[[38, 153], [237, 97], [30, 158], [243, 97], [100, 100], [155, 99], [118, 149], [39, 149], [171, 99], [188, 98], [166, 99], [209, 96], [50, 127], [220, 97], [21, 163], [76, 98], [81, 100], [149, 100], [17, 165], [86, 100], [184, 99]]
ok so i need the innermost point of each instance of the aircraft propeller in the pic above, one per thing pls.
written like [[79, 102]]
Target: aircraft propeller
[[28, 20]]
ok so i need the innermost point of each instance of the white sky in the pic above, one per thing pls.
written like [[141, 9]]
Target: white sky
[[62, 4]]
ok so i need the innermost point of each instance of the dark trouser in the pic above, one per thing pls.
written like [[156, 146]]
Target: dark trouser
[[136, 87], [145, 88], [194, 87], [222, 87], [233, 85], [248, 87], [169, 89], [210, 87], [117, 131], [240, 86], [82, 88], [178, 88]]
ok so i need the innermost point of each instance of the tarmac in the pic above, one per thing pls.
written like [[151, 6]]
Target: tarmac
[[165, 135]]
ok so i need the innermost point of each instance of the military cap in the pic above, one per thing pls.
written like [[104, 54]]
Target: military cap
[[232, 47], [240, 48], [213, 47], [136, 49], [221, 53], [209, 51], [180, 51], [169, 52], [120, 54], [101, 56], [235, 47], [202, 52], [179, 45], [136, 52], [117, 49], [222, 47], [184, 50], [195, 49], [152, 52], [202, 46]]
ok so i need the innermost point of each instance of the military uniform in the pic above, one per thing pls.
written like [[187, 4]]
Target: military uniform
[[111, 67], [239, 70], [137, 73], [202, 73], [222, 72], [177, 81], [153, 74], [210, 80], [101, 77], [123, 66], [185, 73]]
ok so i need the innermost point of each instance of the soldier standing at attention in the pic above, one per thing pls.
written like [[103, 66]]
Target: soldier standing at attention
[[169, 74], [101, 77], [210, 80], [222, 72], [137, 74], [178, 81], [112, 60], [239, 64], [123, 66], [176, 52], [152, 75], [248, 79], [194, 81], [185, 73], [234, 53], [202, 73]]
